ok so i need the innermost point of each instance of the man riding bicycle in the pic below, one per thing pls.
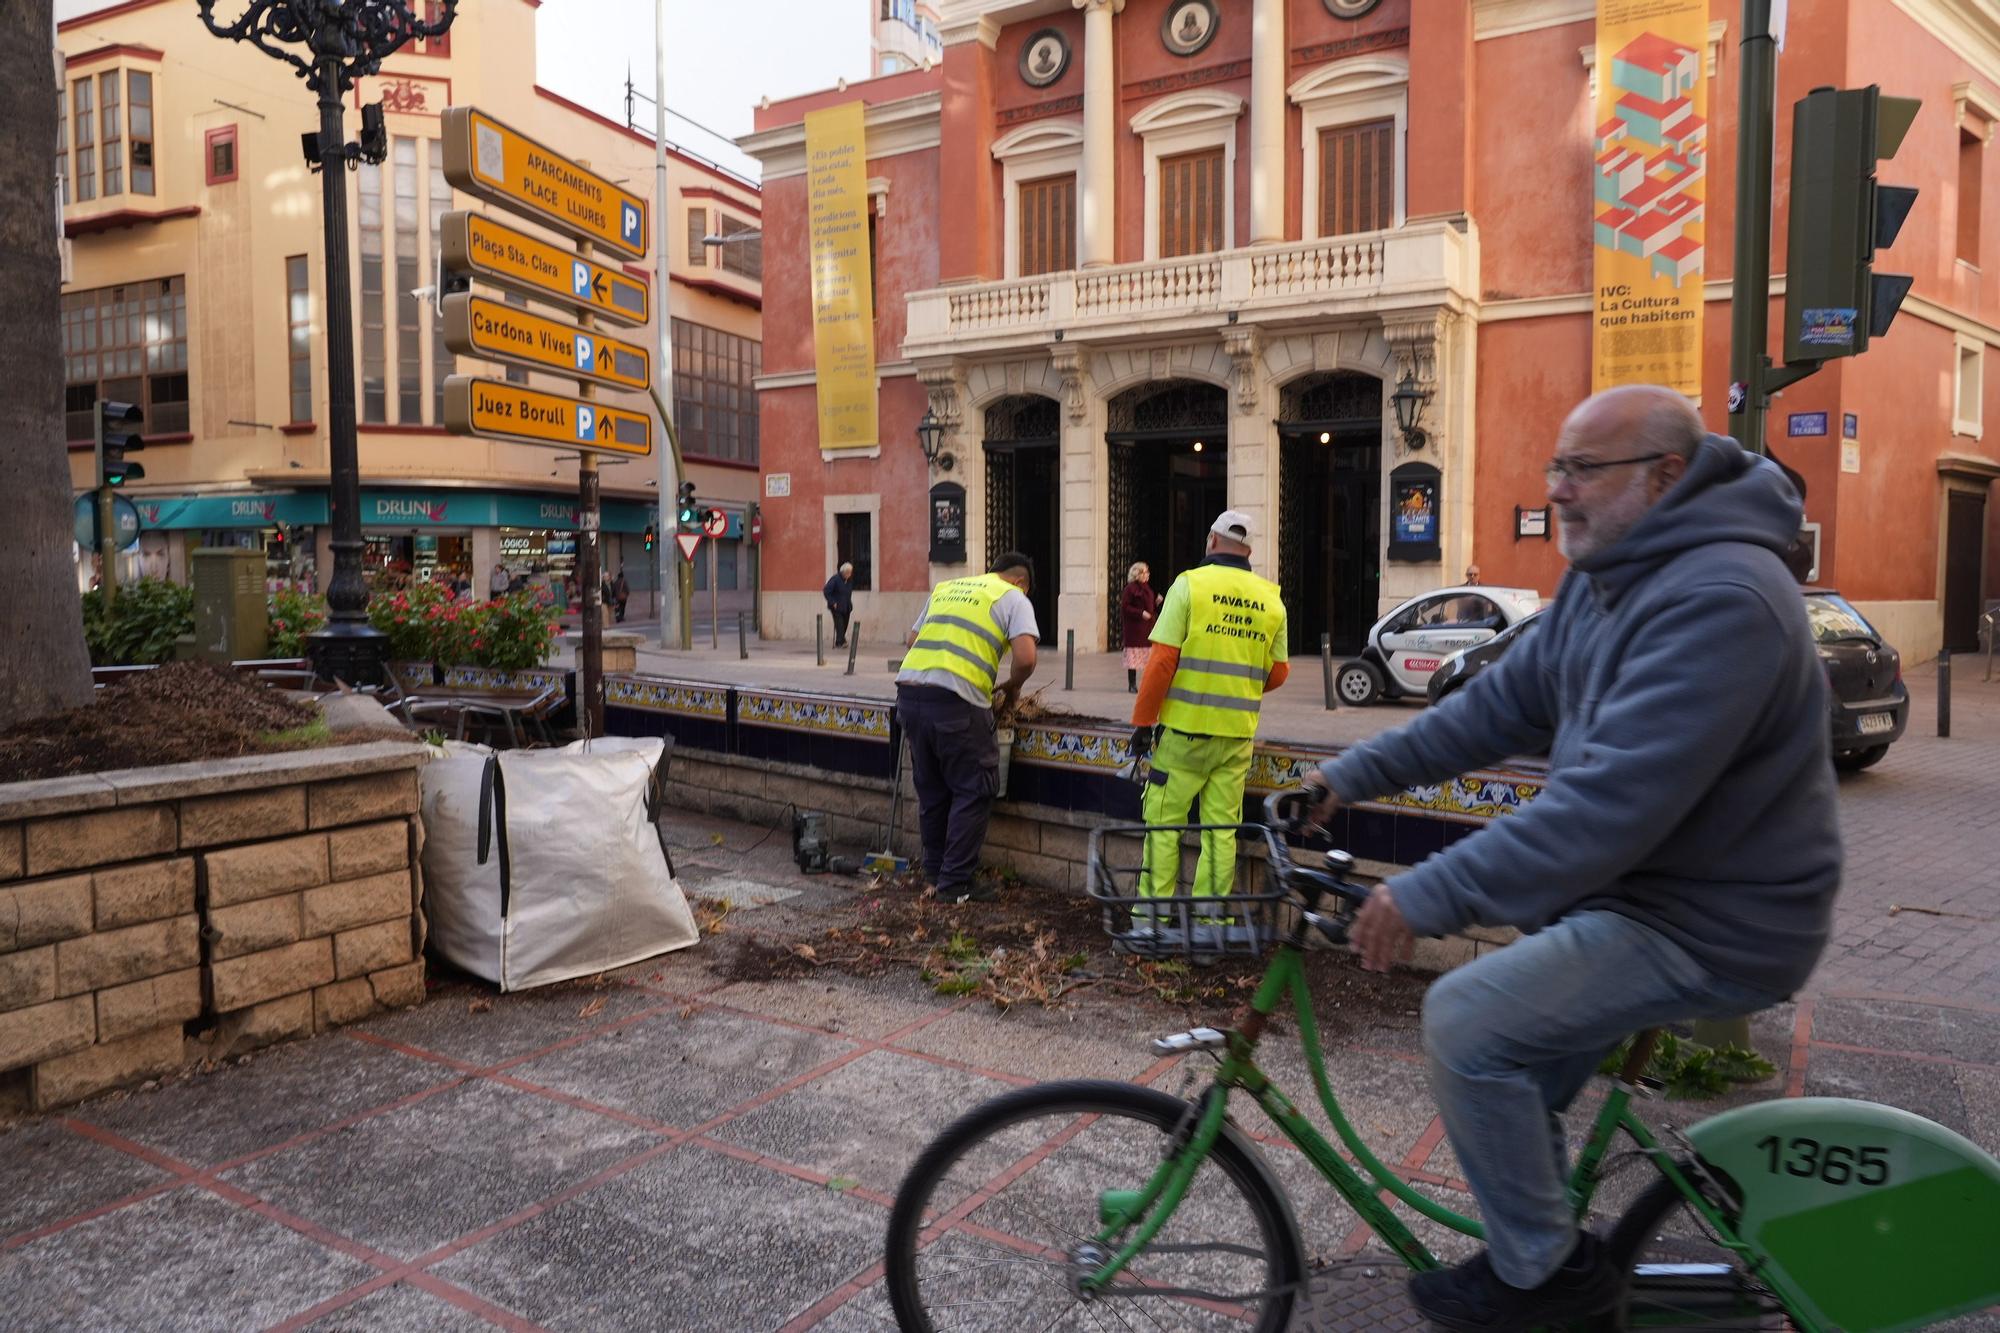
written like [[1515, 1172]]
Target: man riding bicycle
[[1681, 861]]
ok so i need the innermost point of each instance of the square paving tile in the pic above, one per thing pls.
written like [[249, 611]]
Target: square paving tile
[[682, 1071], [407, 1182], [399, 1309], [183, 1260], [865, 1007], [280, 1094], [486, 1027], [1887, 1025], [1980, 1090], [1044, 1044], [1928, 1089], [691, 1241], [866, 1312], [48, 1173], [868, 1120]]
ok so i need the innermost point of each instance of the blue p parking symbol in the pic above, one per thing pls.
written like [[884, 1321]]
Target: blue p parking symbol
[[579, 279], [585, 352], [628, 225], [586, 422]]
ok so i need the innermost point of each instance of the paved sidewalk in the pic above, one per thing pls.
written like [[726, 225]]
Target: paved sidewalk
[[682, 1148]]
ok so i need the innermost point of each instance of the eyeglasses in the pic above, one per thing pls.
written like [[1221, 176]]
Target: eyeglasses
[[1582, 470]]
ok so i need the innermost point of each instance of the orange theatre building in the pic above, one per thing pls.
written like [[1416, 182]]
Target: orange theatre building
[[1343, 265]]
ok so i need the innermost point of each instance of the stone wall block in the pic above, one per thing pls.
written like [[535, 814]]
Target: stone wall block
[[358, 800], [207, 821], [371, 948], [238, 983], [131, 895], [1065, 843], [13, 861], [45, 1031], [95, 1069], [263, 1024], [142, 1005], [44, 912], [100, 838], [360, 902], [27, 977], [252, 927], [343, 1002], [399, 987], [242, 874], [372, 849], [1008, 831], [113, 957]]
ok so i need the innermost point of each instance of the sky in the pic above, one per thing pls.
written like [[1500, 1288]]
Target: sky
[[726, 54]]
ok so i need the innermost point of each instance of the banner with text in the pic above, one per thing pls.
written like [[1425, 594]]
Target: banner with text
[[1648, 206], [843, 304]]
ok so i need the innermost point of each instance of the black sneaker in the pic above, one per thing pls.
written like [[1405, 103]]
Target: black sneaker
[[1471, 1298]]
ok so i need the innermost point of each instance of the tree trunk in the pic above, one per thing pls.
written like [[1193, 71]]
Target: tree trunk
[[43, 665]]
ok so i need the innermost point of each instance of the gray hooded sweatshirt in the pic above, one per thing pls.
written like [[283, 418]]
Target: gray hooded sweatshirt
[[1675, 684]]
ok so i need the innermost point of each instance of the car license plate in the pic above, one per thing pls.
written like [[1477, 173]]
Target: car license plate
[[1871, 724]]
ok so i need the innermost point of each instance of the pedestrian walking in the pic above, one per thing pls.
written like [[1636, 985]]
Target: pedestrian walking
[[498, 584], [945, 700], [839, 594], [1218, 649], [1681, 862], [1137, 606], [621, 593]]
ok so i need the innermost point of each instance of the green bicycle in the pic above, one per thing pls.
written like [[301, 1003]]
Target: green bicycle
[[1101, 1205]]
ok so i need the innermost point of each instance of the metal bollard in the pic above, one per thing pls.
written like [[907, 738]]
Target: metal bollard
[[1944, 693], [1069, 660], [853, 644], [1326, 668], [819, 640], [742, 639]]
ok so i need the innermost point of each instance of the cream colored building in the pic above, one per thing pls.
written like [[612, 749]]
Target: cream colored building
[[194, 285]]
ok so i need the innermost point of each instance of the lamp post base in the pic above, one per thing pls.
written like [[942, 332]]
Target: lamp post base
[[348, 652]]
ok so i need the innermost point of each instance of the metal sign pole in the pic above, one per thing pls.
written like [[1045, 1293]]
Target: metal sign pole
[[590, 564]]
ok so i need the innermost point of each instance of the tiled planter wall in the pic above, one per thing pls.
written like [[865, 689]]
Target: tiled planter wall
[[155, 917]]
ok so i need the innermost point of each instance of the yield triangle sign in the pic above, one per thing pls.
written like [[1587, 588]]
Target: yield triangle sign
[[687, 541]]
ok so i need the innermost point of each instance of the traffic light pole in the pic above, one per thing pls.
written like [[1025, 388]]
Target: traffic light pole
[[107, 527], [590, 560], [677, 604]]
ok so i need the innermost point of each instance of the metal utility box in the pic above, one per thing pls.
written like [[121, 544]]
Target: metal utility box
[[232, 621]]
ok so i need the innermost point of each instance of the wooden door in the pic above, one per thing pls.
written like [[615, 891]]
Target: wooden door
[[1191, 196]]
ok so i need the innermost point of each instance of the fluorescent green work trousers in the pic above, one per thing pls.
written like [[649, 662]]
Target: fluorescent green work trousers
[[1213, 769]]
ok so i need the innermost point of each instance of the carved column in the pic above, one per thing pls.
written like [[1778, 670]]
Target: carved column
[[944, 386], [1253, 447], [1096, 186], [1267, 122], [1429, 349], [1086, 502]]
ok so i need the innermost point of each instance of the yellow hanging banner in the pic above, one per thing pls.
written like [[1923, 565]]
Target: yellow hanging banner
[[843, 302], [1649, 207]]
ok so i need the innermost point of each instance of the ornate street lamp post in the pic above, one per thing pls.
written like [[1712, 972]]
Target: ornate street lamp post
[[342, 41]]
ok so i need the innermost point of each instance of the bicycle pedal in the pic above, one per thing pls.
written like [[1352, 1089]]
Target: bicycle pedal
[[1195, 1039]]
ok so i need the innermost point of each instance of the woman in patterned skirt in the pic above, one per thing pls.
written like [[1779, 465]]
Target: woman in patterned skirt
[[1137, 606]]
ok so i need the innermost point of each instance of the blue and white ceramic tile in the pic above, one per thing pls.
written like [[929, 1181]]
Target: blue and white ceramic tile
[[687, 698], [797, 712]]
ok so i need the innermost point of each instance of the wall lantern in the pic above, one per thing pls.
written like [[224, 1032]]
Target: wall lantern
[[1409, 402], [930, 436]]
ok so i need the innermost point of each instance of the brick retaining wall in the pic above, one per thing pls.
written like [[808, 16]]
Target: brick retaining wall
[[158, 917]]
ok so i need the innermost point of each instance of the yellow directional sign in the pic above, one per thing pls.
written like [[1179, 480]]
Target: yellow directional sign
[[528, 416], [488, 159], [496, 252], [481, 326]]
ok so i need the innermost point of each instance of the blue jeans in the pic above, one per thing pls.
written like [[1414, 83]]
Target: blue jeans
[[1514, 1035]]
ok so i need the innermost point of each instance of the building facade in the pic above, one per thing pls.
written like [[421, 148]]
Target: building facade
[[903, 35], [1145, 258], [194, 286]]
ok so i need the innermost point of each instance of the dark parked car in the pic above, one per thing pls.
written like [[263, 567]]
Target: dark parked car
[[1868, 704]]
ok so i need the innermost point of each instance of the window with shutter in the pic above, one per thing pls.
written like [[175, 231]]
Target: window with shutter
[[1357, 178], [1191, 203], [1048, 225], [697, 228]]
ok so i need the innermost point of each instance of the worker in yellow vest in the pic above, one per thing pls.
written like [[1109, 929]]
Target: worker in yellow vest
[[946, 694], [1218, 648]]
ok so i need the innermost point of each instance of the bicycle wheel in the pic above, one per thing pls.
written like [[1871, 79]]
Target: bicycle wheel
[[993, 1226], [1678, 1275]]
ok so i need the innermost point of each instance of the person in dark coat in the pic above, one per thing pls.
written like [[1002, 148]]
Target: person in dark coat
[[1138, 605], [839, 592]]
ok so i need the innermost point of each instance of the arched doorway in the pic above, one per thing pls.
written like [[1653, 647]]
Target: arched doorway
[[1024, 494], [1329, 507], [1168, 442]]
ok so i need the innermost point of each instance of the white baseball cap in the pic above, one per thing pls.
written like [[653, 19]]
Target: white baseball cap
[[1233, 525]]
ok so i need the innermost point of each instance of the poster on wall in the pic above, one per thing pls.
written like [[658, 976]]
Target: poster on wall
[[1648, 207], [1414, 509], [843, 303]]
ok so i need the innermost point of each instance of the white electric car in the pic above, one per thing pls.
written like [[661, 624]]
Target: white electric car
[[1413, 640]]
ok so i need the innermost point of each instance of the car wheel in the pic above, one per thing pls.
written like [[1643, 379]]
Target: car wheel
[[1853, 761], [1358, 684]]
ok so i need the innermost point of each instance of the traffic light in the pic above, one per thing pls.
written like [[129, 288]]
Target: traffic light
[[690, 514], [652, 537], [1835, 302], [117, 436]]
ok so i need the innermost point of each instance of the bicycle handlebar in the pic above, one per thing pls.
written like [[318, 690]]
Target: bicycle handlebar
[[1288, 814]]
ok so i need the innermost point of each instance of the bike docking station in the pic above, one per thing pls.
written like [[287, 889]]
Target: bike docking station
[[509, 170]]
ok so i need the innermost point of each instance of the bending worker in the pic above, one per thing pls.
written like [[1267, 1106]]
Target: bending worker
[[1218, 648], [945, 698]]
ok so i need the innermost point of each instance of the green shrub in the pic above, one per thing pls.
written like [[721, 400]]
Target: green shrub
[[425, 624], [412, 619], [512, 634], [141, 625], [294, 615]]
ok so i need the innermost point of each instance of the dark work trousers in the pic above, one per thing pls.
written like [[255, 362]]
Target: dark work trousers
[[840, 619], [956, 764]]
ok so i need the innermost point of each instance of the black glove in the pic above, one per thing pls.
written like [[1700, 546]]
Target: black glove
[[1142, 742]]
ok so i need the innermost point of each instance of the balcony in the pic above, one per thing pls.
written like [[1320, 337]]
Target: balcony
[[1427, 265]]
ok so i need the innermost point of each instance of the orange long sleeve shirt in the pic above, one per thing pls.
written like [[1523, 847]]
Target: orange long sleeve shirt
[[1160, 668]]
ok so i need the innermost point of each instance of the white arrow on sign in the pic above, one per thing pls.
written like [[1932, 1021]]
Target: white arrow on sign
[[687, 541]]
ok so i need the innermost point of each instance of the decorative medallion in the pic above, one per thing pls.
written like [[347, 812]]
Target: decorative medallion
[[1350, 9], [1044, 58], [1189, 25]]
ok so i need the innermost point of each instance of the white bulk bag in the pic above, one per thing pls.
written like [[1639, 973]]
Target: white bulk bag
[[543, 865]]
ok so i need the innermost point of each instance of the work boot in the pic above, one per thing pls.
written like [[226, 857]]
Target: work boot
[[1471, 1298], [1131, 682]]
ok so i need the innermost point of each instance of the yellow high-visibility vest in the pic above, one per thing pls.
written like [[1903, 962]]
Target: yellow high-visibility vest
[[960, 633], [1218, 687]]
